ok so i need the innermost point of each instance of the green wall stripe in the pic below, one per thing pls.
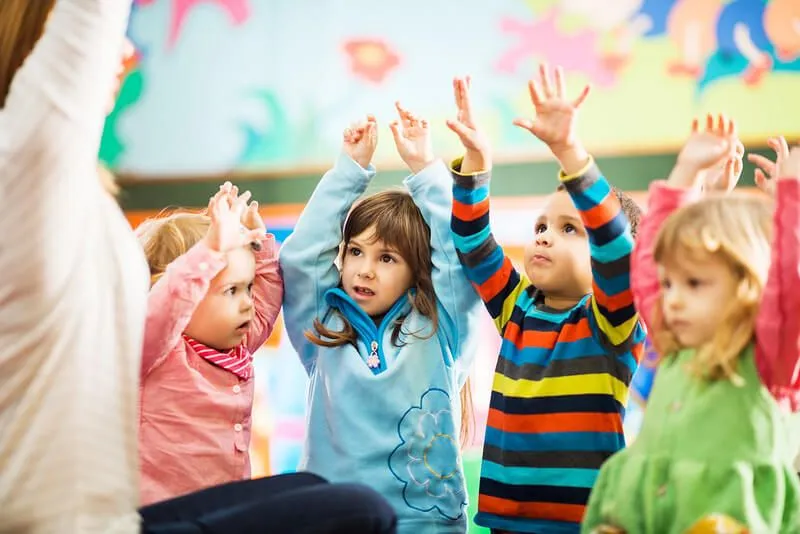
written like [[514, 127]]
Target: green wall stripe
[[630, 173]]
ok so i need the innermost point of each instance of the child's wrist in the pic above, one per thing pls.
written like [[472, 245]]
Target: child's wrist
[[685, 176], [572, 158], [475, 161]]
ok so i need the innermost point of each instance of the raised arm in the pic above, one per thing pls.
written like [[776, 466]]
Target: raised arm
[[174, 298], [50, 132], [490, 271], [610, 246], [432, 192], [778, 322], [307, 257], [645, 286], [267, 293]]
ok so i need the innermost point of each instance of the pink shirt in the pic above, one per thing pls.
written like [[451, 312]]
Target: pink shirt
[[195, 417], [778, 323]]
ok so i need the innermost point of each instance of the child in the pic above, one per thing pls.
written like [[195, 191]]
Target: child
[[215, 296], [571, 336], [717, 440], [383, 339]]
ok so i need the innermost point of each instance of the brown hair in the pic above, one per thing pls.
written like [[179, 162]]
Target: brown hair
[[21, 25], [165, 238], [629, 207], [736, 228], [398, 222]]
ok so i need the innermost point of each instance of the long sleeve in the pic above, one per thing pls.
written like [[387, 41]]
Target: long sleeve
[[174, 298], [267, 293], [307, 257], [50, 132], [662, 201], [486, 266], [431, 190], [778, 322], [610, 246]]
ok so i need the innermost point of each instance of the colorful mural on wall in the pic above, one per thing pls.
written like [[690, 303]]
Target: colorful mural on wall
[[234, 84]]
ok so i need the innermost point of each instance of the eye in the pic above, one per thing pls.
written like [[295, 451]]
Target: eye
[[540, 227], [386, 258], [570, 229], [354, 251], [665, 283], [231, 291], [250, 288], [694, 283]]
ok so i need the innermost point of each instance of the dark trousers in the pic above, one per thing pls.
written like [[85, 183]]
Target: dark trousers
[[296, 503]]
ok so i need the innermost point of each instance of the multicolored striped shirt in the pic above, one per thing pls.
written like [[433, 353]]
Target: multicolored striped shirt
[[562, 377]]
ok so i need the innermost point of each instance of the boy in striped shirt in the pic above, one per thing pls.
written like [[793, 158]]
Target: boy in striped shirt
[[571, 336]]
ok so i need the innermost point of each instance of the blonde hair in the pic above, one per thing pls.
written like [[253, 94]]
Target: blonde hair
[[737, 229], [168, 237], [398, 222]]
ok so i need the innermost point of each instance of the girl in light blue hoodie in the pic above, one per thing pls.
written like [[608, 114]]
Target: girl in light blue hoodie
[[383, 337]]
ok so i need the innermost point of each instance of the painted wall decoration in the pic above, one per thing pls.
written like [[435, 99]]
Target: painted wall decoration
[[268, 86]]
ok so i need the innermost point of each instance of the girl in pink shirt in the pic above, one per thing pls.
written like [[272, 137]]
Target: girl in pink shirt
[[216, 292]]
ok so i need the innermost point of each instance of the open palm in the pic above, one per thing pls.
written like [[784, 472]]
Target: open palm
[[555, 119], [413, 139]]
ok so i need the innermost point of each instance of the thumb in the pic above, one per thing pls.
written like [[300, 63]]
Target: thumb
[[761, 179], [460, 130], [526, 124], [254, 235], [394, 126]]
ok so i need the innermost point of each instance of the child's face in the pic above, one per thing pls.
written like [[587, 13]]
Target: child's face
[[223, 317], [557, 261], [373, 274], [696, 292]]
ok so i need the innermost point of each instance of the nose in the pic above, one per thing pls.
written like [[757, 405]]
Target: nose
[[247, 302], [367, 273], [544, 238], [672, 298]]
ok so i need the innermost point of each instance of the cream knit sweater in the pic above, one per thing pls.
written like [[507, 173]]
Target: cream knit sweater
[[73, 289]]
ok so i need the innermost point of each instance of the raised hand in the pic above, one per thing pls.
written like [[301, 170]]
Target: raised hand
[[706, 148], [766, 171], [724, 176], [226, 210], [478, 153], [360, 141], [555, 120], [789, 167], [413, 140]]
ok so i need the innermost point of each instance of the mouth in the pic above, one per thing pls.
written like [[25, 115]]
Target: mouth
[[244, 327], [540, 259], [363, 292]]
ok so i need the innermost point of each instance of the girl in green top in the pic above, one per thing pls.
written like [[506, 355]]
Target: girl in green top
[[718, 283]]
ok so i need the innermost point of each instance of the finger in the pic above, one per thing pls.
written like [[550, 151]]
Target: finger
[[739, 149], [765, 164], [244, 197], [394, 126], [457, 92], [709, 122], [371, 119], [460, 130], [738, 167], [403, 112], [468, 82], [695, 126], [547, 83], [561, 85], [783, 147], [253, 236], [578, 102], [536, 94], [526, 124], [424, 124], [721, 124], [253, 208], [727, 175], [761, 179], [731, 127]]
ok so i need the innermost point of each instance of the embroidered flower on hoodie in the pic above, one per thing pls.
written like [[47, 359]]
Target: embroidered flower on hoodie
[[427, 460]]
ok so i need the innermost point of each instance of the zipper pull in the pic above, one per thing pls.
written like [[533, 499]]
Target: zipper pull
[[373, 361]]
